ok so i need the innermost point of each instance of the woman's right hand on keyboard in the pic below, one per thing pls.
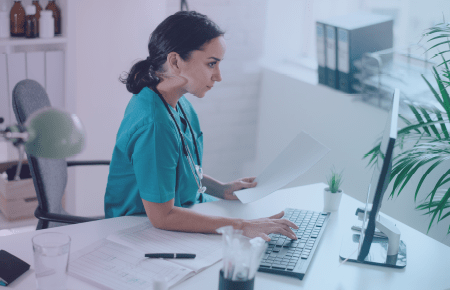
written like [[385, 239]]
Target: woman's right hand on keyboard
[[264, 226]]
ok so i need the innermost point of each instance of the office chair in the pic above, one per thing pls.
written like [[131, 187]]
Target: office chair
[[49, 175]]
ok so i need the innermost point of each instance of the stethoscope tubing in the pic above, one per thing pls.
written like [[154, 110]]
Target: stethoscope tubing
[[186, 150]]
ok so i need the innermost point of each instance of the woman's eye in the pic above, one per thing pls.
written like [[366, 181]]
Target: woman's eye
[[212, 64]]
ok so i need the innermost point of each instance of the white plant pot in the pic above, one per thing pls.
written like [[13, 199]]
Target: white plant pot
[[331, 201]]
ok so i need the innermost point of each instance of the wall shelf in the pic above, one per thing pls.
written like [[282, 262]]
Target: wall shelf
[[15, 41]]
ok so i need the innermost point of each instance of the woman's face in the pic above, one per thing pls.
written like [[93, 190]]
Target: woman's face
[[201, 70]]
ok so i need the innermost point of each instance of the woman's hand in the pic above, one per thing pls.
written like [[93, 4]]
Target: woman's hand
[[264, 226], [242, 183]]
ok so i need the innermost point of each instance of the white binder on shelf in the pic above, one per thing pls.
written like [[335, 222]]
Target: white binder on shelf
[[356, 34], [343, 50], [16, 67], [321, 53], [330, 32], [36, 67], [4, 95], [54, 78]]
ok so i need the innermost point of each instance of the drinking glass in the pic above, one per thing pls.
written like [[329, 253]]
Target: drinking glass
[[51, 255]]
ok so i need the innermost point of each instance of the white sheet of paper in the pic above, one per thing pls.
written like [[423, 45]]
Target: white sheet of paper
[[109, 265], [147, 239], [296, 159]]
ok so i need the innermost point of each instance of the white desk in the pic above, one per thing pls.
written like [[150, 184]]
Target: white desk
[[427, 266]]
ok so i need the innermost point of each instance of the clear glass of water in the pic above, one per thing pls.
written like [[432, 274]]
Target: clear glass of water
[[51, 255]]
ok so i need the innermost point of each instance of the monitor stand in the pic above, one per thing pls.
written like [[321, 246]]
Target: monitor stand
[[387, 252]]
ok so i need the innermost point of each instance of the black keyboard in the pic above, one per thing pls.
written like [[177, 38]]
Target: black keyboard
[[292, 257]]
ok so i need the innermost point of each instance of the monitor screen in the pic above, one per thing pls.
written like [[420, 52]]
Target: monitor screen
[[380, 179]]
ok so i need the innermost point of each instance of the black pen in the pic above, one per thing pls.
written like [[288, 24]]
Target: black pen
[[170, 256]]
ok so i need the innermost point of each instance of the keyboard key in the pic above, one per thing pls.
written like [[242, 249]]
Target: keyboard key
[[278, 266], [265, 265]]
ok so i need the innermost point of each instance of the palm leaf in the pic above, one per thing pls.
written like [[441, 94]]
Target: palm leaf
[[433, 208], [427, 117], [440, 182], [439, 44], [431, 168], [419, 118], [444, 93], [414, 170], [436, 95], [443, 127]]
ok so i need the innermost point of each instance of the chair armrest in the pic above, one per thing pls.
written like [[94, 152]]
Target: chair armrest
[[62, 218], [88, 162]]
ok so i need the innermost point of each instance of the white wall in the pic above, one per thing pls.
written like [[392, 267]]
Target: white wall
[[107, 38], [348, 127], [228, 113]]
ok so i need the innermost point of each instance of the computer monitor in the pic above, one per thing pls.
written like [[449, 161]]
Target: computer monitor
[[372, 247]]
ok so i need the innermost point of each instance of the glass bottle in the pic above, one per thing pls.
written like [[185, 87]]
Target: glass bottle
[[56, 15], [30, 22], [38, 13], [17, 19]]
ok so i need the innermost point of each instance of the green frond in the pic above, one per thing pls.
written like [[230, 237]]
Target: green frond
[[444, 93], [436, 95], [427, 117], [431, 168], [443, 127]]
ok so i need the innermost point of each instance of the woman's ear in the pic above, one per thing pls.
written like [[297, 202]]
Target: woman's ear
[[173, 63]]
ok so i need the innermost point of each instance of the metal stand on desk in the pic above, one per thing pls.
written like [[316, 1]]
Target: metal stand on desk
[[387, 252]]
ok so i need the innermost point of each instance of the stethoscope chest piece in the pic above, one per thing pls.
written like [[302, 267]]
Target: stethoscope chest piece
[[199, 171]]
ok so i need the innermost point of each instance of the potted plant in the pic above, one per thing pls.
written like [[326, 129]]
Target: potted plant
[[333, 193], [428, 136]]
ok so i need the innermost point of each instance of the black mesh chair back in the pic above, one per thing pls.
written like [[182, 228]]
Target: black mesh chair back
[[49, 175]]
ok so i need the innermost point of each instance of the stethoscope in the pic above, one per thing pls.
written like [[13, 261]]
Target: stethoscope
[[196, 169]]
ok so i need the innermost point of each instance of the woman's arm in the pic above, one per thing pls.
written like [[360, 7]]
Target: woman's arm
[[166, 216], [226, 190]]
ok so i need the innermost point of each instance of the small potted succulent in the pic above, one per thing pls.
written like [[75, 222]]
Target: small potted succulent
[[333, 193]]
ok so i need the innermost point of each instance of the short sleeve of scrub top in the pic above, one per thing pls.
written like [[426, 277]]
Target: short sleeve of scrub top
[[148, 162], [154, 148]]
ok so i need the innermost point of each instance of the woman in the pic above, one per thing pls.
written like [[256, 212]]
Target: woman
[[156, 159]]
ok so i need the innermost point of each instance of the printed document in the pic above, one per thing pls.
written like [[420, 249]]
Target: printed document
[[118, 262], [296, 159]]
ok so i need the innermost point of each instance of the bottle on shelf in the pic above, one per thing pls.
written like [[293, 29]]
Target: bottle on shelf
[[46, 24], [17, 19], [38, 13], [30, 22], [56, 15]]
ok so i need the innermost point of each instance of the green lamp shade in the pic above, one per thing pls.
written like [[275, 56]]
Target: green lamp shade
[[54, 133]]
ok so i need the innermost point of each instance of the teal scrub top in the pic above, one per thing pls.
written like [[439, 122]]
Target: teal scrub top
[[148, 162]]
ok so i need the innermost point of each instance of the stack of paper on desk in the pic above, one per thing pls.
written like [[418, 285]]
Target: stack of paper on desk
[[118, 261]]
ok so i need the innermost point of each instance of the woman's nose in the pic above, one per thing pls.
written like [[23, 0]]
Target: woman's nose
[[217, 77]]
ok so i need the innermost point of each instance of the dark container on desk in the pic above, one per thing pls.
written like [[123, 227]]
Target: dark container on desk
[[228, 284]]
